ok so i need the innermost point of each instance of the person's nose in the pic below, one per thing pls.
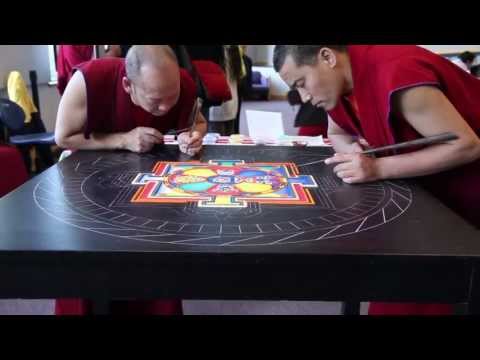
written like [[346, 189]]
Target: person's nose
[[304, 95]]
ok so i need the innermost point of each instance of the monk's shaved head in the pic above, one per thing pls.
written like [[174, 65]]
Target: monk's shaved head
[[140, 56], [152, 78]]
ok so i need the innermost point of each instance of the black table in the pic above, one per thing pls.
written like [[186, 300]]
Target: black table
[[74, 232]]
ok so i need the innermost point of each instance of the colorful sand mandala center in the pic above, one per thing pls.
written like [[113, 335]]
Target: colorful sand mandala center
[[224, 183]]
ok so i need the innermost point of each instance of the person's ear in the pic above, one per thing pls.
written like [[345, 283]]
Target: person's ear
[[127, 85], [327, 56]]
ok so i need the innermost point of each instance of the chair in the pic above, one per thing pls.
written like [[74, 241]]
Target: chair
[[260, 87], [12, 116], [204, 63], [34, 134]]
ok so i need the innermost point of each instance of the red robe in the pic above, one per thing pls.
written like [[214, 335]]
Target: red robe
[[68, 56], [314, 130], [110, 109], [380, 71], [11, 159]]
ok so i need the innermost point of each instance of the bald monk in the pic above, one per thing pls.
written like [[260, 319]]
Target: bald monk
[[131, 103], [386, 95], [128, 104]]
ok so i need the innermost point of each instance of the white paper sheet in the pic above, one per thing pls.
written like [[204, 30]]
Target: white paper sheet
[[264, 125]]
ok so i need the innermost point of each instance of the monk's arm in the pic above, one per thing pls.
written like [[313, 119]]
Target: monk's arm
[[72, 117], [429, 112], [342, 142], [200, 125]]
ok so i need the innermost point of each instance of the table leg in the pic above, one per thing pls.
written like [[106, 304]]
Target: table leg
[[473, 307], [351, 308], [100, 306]]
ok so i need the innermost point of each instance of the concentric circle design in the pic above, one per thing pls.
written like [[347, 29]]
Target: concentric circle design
[[94, 195]]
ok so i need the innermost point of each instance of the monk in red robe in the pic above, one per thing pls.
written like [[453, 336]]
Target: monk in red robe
[[128, 104], [68, 56], [386, 95]]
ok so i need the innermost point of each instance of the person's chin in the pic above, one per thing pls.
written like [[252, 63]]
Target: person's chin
[[158, 113], [327, 105], [320, 105]]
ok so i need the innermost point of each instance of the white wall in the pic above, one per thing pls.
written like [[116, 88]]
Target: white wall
[[49, 100], [261, 55], [450, 49], [24, 58], [252, 51]]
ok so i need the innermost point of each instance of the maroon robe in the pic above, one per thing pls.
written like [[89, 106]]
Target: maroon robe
[[314, 130], [68, 56], [110, 109], [379, 72], [15, 172]]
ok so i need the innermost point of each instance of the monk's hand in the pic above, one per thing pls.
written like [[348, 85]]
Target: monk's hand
[[190, 145], [362, 144], [355, 167], [142, 139]]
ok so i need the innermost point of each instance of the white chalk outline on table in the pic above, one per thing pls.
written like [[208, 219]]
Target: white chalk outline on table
[[230, 240]]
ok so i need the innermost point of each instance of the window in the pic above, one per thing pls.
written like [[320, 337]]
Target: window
[[52, 64]]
